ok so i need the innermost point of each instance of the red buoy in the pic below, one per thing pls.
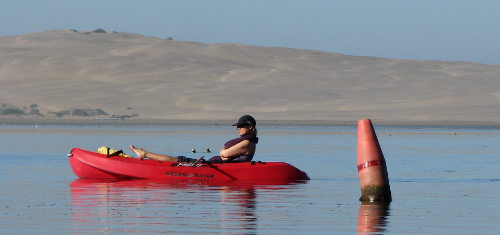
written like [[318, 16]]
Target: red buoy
[[372, 169]]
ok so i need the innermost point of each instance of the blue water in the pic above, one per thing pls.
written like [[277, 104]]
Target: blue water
[[443, 181]]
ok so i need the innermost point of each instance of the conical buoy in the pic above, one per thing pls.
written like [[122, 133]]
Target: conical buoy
[[372, 169]]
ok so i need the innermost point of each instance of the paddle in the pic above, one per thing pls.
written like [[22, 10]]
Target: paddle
[[198, 161], [213, 167], [221, 171]]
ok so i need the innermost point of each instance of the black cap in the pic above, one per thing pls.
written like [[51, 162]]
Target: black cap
[[245, 120]]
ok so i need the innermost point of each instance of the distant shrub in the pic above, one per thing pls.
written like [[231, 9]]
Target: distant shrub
[[12, 111], [7, 109], [35, 112], [80, 112], [99, 31], [100, 112], [60, 113], [88, 112]]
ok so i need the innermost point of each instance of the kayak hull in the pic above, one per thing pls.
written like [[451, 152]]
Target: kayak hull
[[92, 165]]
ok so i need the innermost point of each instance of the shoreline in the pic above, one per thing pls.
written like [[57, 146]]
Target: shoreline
[[208, 122]]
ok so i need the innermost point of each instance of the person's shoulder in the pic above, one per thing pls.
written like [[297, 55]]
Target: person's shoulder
[[253, 139]]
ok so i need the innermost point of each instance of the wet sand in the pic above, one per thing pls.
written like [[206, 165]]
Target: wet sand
[[137, 121]]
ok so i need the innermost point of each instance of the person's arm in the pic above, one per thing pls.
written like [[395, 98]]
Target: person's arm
[[245, 147]]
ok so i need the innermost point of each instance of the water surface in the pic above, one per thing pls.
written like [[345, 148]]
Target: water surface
[[443, 181]]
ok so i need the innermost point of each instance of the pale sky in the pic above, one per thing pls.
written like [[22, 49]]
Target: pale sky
[[449, 30]]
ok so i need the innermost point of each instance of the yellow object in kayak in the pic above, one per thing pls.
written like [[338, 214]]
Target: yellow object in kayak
[[112, 152]]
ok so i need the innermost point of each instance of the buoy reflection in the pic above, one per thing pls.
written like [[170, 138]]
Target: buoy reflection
[[372, 218]]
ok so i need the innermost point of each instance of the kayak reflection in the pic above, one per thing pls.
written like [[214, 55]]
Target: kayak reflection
[[372, 218], [163, 206]]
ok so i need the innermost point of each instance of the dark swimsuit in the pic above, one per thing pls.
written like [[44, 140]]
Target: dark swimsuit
[[229, 144], [233, 142]]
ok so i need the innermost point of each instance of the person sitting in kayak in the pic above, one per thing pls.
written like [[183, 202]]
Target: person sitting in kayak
[[240, 149]]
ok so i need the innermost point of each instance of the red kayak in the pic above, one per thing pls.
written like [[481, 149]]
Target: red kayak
[[87, 164]]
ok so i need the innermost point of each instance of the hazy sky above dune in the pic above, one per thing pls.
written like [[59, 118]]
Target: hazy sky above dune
[[451, 30]]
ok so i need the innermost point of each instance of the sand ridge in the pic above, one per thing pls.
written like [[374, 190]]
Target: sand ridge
[[162, 79]]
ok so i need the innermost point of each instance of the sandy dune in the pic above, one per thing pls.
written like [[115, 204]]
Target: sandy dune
[[153, 78]]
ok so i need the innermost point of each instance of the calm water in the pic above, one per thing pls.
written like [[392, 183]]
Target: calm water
[[443, 181]]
